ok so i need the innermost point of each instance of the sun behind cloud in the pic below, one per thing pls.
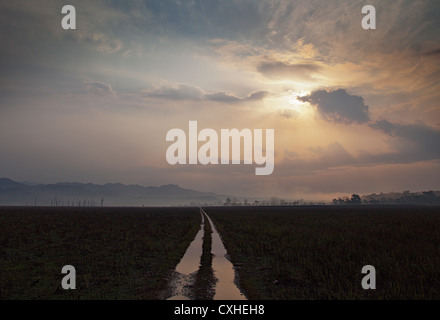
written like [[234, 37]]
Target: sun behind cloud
[[296, 104]]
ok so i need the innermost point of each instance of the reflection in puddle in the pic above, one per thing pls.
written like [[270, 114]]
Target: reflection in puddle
[[184, 275], [182, 283], [191, 260], [225, 288]]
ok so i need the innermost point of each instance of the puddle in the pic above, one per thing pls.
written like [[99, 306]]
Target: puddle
[[225, 288], [191, 260], [182, 283], [184, 276]]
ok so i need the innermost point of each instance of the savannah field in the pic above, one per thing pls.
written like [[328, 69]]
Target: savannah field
[[280, 253]]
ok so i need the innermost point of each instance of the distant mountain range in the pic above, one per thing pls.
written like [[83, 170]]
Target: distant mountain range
[[111, 194], [14, 193]]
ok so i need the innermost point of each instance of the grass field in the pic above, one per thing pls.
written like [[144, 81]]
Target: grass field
[[318, 252], [118, 253], [279, 252]]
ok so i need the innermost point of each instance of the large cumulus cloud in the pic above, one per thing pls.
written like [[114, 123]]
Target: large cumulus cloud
[[338, 106]]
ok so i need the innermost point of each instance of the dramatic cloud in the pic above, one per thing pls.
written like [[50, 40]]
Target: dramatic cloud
[[227, 64], [191, 93], [338, 106], [419, 141]]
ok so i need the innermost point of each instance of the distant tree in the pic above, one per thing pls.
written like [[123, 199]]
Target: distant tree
[[355, 199], [274, 201], [341, 201], [428, 196]]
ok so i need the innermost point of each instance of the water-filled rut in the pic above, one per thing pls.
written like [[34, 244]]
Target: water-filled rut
[[182, 281], [225, 288], [182, 284]]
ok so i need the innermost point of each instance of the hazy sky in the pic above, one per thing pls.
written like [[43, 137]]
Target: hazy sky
[[354, 110]]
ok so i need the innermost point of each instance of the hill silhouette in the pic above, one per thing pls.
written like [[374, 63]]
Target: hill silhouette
[[110, 194]]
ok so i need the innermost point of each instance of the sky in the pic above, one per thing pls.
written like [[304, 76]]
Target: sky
[[353, 110]]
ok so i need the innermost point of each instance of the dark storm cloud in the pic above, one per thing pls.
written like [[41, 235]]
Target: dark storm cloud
[[282, 70], [338, 106]]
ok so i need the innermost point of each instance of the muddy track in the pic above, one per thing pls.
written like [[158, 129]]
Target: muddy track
[[225, 287], [205, 280], [204, 273]]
